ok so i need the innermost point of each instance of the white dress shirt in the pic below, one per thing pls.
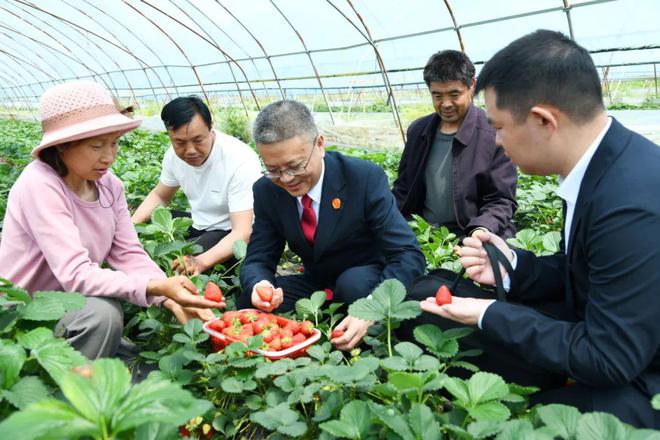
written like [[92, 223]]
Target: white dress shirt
[[569, 187], [315, 195], [568, 190]]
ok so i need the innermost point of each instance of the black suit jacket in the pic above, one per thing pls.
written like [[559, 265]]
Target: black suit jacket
[[483, 181], [366, 229], [609, 278]]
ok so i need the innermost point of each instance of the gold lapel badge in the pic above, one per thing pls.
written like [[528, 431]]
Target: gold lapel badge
[[336, 203]]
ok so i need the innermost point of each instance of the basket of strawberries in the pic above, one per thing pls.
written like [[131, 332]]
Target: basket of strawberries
[[282, 337]]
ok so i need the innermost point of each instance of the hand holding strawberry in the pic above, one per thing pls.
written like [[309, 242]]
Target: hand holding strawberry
[[180, 290], [463, 310], [214, 293], [265, 293], [266, 297], [349, 333]]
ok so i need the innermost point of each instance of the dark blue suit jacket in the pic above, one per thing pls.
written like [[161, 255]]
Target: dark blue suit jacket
[[366, 229], [610, 277]]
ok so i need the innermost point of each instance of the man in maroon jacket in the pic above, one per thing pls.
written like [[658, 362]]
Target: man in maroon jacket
[[451, 172]]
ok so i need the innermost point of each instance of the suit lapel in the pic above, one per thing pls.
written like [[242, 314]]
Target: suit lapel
[[332, 204], [610, 147]]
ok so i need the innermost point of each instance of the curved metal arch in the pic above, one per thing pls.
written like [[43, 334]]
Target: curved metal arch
[[311, 61], [55, 39], [256, 40], [123, 72], [247, 55], [185, 55], [199, 82], [83, 35], [93, 72], [17, 90], [231, 70], [128, 83], [213, 45], [8, 98], [154, 53], [23, 61], [381, 64], [5, 103], [457, 28], [567, 11], [77, 26], [32, 53], [27, 49]]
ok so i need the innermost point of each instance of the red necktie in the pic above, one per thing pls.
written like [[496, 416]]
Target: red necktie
[[308, 220]]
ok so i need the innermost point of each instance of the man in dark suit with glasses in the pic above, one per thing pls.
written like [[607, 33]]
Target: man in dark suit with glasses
[[336, 213]]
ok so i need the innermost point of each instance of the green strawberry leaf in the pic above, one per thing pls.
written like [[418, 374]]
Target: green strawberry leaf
[[28, 390]]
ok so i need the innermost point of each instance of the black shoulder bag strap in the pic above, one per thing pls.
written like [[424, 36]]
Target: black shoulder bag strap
[[496, 257]]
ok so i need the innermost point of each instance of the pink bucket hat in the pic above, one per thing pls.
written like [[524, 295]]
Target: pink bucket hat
[[78, 110]]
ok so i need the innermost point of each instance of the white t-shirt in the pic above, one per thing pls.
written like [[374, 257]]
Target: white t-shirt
[[221, 185]]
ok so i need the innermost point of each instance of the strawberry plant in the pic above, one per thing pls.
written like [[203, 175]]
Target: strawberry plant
[[101, 404], [386, 305], [201, 389], [437, 244], [164, 238]]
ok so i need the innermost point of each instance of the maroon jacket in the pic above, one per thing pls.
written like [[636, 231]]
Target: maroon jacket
[[484, 179]]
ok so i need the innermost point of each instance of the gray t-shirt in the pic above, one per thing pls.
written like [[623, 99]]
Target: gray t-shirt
[[439, 203]]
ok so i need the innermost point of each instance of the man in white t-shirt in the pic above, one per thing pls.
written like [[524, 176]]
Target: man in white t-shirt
[[216, 172]]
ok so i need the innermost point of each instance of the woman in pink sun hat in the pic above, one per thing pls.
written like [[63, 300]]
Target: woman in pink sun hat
[[67, 215]]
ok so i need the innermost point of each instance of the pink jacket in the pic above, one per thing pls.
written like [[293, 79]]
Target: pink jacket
[[53, 240]]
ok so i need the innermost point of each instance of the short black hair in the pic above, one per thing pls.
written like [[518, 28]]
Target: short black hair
[[180, 111], [544, 67], [449, 65], [51, 156]]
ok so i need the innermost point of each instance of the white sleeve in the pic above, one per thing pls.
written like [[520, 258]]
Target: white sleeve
[[483, 312], [167, 176]]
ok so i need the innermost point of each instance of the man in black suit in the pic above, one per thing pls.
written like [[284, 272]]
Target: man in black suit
[[336, 213], [589, 312]]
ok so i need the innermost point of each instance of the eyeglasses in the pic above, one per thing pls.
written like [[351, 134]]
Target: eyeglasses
[[294, 171]]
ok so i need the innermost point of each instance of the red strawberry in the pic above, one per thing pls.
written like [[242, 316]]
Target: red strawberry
[[293, 326], [275, 344], [217, 325], [337, 334], [230, 315], [247, 317], [298, 338], [262, 323], [232, 331], [267, 335], [213, 292], [265, 293], [287, 342], [286, 333], [282, 321], [443, 296], [307, 328], [247, 329]]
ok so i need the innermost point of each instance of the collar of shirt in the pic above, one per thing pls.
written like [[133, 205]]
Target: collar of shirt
[[569, 187], [314, 194]]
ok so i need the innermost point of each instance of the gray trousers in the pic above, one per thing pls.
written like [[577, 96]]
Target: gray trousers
[[96, 329]]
